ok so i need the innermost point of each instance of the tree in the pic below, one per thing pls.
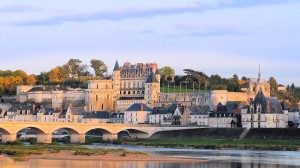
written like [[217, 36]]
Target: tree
[[43, 78], [74, 66], [235, 77], [167, 72], [100, 68], [273, 86], [31, 80], [293, 87], [55, 76], [197, 77], [1, 90]]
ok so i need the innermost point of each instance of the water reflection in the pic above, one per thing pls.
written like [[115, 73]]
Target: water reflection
[[38, 163]]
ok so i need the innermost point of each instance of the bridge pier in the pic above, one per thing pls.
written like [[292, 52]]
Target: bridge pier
[[9, 138], [110, 137], [77, 138], [44, 138]]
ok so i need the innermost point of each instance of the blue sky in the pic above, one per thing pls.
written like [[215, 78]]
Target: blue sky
[[213, 36]]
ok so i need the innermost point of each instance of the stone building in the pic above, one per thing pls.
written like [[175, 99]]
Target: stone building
[[130, 84], [138, 113], [139, 83], [264, 112], [212, 98]]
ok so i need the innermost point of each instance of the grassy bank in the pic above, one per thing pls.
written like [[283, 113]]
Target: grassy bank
[[18, 150], [290, 145]]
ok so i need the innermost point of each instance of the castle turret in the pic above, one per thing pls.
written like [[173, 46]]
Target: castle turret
[[116, 80], [152, 90]]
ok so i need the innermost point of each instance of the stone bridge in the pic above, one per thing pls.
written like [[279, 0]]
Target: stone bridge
[[78, 131]]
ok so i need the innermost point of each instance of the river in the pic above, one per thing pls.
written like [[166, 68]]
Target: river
[[215, 158]]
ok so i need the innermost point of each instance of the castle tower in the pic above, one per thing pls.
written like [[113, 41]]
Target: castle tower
[[152, 90], [157, 75], [116, 81]]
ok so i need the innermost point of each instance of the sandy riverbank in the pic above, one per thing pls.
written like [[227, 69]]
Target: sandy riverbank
[[69, 155]]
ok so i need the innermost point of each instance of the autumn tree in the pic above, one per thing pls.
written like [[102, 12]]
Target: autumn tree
[[55, 75], [100, 68], [31, 80]]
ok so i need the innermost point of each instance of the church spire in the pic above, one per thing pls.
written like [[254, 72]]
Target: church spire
[[259, 73]]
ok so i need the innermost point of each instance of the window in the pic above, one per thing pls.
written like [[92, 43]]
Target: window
[[102, 106], [96, 97], [97, 86]]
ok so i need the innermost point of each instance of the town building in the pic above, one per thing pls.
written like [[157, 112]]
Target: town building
[[225, 116], [199, 116], [264, 112], [138, 113], [162, 115], [281, 88], [212, 98]]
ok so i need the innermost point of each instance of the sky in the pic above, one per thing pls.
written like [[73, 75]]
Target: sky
[[223, 37]]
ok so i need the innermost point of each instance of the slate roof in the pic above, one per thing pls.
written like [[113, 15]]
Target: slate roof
[[152, 79], [77, 111], [170, 109], [48, 111], [99, 115], [139, 107], [117, 67], [117, 115]]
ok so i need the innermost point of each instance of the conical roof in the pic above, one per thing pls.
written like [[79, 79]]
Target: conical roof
[[117, 67], [152, 79]]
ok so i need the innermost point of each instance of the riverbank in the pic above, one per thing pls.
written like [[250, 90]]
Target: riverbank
[[247, 144], [23, 152]]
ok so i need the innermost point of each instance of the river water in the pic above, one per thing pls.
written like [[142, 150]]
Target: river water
[[215, 158]]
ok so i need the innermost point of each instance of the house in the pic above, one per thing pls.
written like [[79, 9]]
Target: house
[[21, 113], [181, 115], [116, 118], [281, 88], [96, 117], [162, 115], [294, 117], [75, 114], [199, 115], [223, 117], [138, 113], [264, 113]]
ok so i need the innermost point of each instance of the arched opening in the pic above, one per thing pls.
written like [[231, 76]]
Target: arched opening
[[64, 135], [132, 134], [3, 132], [96, 135], [32, 135]]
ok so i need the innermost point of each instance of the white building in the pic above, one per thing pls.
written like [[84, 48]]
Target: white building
[[264, 113], [138, 113], [162, 115], [200, 119], [294, 118]]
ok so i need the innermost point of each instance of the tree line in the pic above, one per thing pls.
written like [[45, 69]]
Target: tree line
[[71, 74], [199, 80]]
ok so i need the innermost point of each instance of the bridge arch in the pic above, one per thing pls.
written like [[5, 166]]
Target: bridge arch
[[4, 131], [132, 133], [98, 134], [67, 134]]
